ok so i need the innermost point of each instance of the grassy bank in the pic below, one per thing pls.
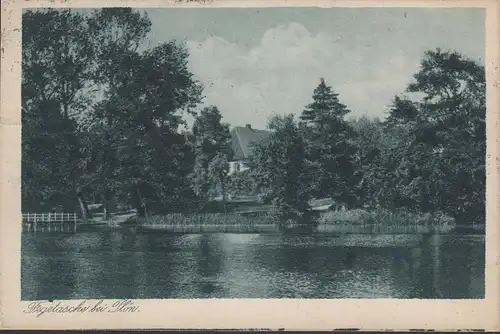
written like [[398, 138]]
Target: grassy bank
[[351, 221], [384, 221], [210, 222]]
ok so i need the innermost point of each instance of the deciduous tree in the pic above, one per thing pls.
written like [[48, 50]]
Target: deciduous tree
[[278, 164]]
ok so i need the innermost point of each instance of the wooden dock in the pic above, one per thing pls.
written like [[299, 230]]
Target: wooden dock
[[51, 221]]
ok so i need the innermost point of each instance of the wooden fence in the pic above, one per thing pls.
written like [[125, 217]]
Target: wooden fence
[[51, 221]]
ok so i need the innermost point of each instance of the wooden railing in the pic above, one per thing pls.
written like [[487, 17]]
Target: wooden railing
[[50, 221], [52, 217]]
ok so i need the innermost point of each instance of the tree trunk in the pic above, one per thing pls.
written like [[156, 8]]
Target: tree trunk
[[109, 159], [107, 213], [84, 208], [224, 196], [142, 209]]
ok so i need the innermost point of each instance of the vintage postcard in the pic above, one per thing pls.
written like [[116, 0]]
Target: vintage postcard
[[250, 164]]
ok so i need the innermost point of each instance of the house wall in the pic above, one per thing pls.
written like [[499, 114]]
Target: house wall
[[237, 166]]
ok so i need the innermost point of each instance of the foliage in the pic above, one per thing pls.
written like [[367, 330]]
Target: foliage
[[242, 183], [115, 141], [49, 147], [145, 109], [278, 164], [400, 217], [371, 142], [56, 59], [124, 145], [211, 146], [218, 169], [330, 149], [442, 166], [117, 34]]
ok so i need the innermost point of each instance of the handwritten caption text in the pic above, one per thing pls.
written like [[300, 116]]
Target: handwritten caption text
[[39, 308]]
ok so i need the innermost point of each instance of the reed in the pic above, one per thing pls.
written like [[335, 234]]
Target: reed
[[211, 222], [384, 221], [352, 221], [211, 219]]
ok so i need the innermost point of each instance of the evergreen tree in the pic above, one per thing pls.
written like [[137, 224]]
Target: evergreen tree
[[325, 105], [330, 147]]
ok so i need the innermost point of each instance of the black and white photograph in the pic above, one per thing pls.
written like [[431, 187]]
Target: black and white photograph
[[257, 153]]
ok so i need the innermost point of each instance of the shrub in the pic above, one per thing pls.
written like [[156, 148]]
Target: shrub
[[386, 218]]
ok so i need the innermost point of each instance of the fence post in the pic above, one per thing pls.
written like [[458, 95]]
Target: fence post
[[74, 217]]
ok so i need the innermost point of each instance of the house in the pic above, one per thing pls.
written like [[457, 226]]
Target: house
[[241, 139]]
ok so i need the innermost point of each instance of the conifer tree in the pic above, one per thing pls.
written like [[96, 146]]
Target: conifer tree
[[325, 104], [330, 146]]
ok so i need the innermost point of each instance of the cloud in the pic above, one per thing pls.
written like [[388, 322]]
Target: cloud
[[279, 74]]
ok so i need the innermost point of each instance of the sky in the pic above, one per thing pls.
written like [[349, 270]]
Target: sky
[[254, 63]]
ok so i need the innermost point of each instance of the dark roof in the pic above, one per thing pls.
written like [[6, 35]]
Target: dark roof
[[242, 137]]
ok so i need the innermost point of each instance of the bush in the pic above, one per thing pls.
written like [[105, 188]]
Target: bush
[[386, 217]]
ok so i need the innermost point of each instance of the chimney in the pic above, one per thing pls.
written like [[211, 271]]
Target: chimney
[[248, 126]]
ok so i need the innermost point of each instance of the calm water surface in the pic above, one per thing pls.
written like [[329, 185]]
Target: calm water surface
[[115, 264]]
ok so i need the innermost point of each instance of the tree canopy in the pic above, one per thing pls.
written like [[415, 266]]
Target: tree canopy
[[103, 114]]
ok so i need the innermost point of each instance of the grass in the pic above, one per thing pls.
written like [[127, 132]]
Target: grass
[[384, 221], [211, 222], [351, 221], [210, 219]]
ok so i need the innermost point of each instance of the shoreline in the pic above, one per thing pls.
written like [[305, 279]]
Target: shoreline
[[326, 229], [320, 229], [261, 223], [356, 221]]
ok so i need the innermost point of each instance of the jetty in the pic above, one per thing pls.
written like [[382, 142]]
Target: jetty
[[51, 221]]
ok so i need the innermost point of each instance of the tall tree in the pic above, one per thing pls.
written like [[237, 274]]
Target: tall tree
[[444, 163], [218, 169], [147, 107], [211, 138], [325, 105], [371, 147], [56, 77], [49, 151], [57, 58], [278, 164], [330, 146], [117, 34], [128, 144]]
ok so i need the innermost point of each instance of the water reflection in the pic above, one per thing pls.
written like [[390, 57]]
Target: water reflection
[[126, 264], [210, 262]]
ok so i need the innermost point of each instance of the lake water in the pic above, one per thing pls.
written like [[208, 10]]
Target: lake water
[[122, 263]]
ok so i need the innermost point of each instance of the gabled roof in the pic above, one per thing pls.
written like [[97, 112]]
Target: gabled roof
[[242, 137]]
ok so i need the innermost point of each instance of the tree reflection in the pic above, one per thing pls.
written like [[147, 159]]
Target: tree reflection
[[47, 272], [210, 264]]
